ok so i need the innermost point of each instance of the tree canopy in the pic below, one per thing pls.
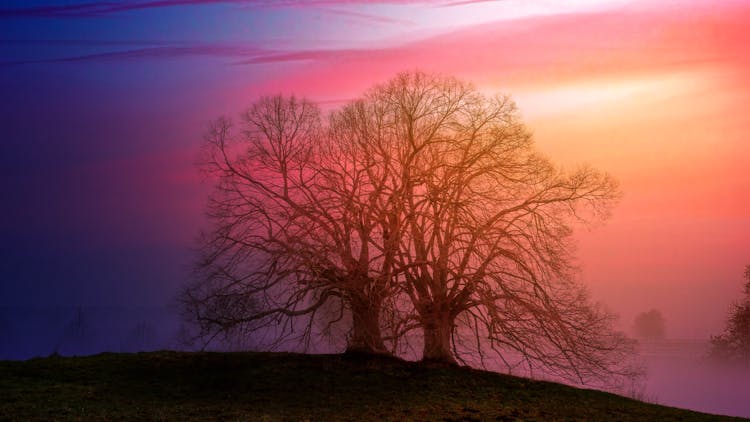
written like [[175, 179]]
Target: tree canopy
[[419, 215]]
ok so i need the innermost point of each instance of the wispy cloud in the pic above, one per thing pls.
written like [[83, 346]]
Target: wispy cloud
[[466, 2], [90, 43], [166, 52], [92, 9], [544, 47], [544, 50], [365, 16], [244, 54], [309, 55], [89, 9]]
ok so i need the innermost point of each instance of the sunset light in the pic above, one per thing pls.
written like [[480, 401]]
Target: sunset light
[[334, 176]]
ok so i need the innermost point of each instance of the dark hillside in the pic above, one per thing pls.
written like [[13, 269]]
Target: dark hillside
[[281, 386]]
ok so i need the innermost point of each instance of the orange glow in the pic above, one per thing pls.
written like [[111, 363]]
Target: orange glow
[[654, 94]]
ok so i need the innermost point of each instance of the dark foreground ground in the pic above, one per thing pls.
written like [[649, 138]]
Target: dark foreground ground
[[281, 386]]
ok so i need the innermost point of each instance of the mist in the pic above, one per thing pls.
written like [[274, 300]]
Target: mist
[[103, 117], [678, 372]]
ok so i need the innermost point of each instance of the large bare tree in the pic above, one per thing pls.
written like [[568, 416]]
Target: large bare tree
[[484, 227], [291, 230], [421, 207]]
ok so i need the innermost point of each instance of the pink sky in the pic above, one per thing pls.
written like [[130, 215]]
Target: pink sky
[[106, 103], [655, 94]]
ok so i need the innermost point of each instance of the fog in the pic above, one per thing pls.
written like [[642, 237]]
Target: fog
[[678, 372], [680, 375]]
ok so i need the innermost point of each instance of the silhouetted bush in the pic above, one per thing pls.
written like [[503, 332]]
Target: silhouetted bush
[[734, 343]]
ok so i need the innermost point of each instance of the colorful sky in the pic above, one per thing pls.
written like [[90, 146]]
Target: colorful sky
[[104, 103]]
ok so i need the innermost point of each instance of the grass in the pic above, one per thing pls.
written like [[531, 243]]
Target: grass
[[284, 386]]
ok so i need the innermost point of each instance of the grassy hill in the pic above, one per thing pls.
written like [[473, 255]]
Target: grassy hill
[[281, 386]]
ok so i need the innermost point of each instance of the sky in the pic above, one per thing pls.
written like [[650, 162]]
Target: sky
[[103, 106]]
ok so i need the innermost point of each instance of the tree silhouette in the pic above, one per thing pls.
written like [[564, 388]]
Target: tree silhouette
[[420, 207], [292, 231], [734, 343], [650, 325], [484, 226]]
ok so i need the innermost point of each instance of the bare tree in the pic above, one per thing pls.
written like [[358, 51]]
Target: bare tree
[[734, 343], [421, 207], [291, 234], [484, 225], [650, 325]]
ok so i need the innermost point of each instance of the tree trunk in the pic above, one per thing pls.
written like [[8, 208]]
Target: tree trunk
[[438, 328], [366, 336]]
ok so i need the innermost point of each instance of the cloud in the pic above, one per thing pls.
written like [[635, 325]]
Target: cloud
[[466, 2], [365, 16], [547, 48], [310, 55], [564, 47], [157, 52], [92, 9], [90, 43], [531, 49]]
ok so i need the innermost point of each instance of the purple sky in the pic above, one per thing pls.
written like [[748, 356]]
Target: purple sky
[[104, 104]]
